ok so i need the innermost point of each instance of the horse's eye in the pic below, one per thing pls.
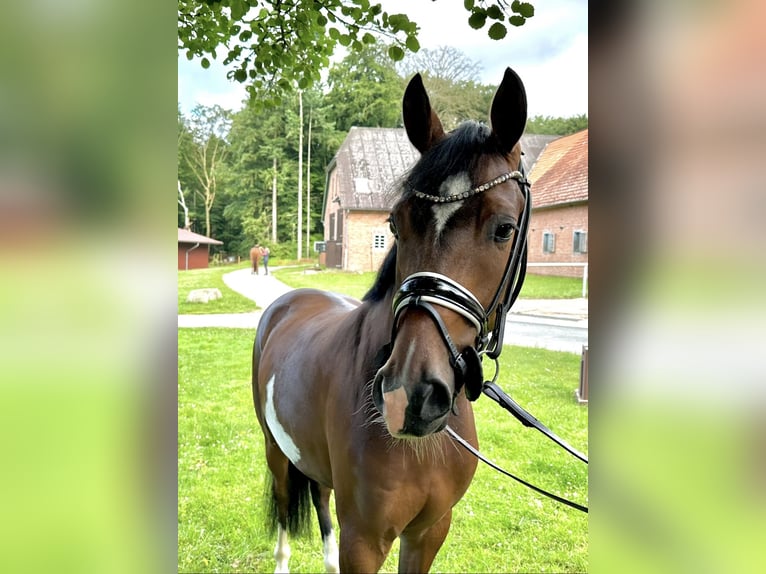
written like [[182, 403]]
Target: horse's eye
[[392, 227], [503, 232]]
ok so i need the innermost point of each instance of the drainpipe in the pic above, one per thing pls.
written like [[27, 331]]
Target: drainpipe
[[187, 254]]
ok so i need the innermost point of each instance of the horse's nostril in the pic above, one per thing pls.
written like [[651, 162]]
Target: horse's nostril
[[431, 399]]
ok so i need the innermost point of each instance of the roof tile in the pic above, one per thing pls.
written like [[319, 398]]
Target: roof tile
[[560, 175]]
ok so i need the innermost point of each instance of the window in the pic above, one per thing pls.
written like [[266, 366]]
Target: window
[[378, 241], [549, 242], [580, 241]]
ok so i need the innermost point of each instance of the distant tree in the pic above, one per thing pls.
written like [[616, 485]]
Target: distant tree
[[547, 125], [208, 127], [453, 84], [186, 180], [445, 62], [263, 154], [365, 90]]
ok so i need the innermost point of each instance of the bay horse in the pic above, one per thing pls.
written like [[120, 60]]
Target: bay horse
[[255, 254], [355, 396]]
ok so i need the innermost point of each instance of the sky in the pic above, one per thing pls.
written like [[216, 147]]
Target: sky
[[550, 54]]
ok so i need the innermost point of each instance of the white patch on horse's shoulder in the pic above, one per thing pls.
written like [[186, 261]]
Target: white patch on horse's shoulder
[[284, 440], [453, 185]]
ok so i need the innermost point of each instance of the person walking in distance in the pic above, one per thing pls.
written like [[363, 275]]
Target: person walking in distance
[[265, 254], [255, 254]]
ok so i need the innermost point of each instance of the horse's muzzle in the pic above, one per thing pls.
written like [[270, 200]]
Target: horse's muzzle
[[414, 410]]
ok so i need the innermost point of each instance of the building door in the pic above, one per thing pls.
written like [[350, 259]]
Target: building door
[[334, 255], [335, 242]]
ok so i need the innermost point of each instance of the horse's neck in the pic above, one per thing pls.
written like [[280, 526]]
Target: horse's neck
[[368, 330], [376, 323]]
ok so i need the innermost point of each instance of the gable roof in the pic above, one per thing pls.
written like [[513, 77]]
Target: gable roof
[[560, 175], [368, 163], [186, 236], [370, 160]]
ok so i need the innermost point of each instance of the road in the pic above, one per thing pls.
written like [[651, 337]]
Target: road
[[554, 334]]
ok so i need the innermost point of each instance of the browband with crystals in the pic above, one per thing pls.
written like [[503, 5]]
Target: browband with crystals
[[517, 175]]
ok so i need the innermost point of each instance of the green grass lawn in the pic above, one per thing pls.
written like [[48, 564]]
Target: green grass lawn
[[548, 287], [357, 284], [499, 526], [353, 284], [348, 283], [231, 302]]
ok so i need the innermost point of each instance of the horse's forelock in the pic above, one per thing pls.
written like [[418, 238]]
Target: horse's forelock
[[458, 153]]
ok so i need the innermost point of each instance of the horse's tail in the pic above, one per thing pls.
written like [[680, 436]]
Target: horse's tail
[[299, 505]]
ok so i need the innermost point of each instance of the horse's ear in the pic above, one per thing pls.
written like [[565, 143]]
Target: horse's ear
[[422, 124], [509, 111]]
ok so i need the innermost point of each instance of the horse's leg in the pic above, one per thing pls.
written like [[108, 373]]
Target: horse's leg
[[359, 550], [320, 495], [418, 550], [279, 467]]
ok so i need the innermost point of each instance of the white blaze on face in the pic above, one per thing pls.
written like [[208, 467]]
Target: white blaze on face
[[284, 440], [453, 185]]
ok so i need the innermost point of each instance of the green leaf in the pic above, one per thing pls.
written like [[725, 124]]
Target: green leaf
[[495, 12], [395, 53], [344, 40], [396, 21], [517, 20], [321, 20], [205, 63], [477, 20], [368, 38], [304, 83], [238, 9], [468, 4], [334, 33], [497, 31], [240, 75], [412, 44], [526, 9]]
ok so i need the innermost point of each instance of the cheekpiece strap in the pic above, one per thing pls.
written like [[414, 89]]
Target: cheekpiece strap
[[517, 175]]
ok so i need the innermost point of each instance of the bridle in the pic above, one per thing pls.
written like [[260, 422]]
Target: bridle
[[423, 290]]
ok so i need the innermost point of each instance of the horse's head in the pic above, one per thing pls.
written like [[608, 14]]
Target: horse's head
[[457, 229]]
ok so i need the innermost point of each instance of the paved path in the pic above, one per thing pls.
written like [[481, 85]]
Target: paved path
[[558, 324]]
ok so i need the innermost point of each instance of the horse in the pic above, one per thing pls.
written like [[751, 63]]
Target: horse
[[255, 254], [357, 396]]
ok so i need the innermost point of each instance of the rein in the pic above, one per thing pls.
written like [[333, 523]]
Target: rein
[[423, 290]]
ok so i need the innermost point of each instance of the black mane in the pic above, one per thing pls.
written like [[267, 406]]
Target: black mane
[[385, 279]]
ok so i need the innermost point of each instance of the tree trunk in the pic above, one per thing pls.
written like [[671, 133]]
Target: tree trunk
[[300, 174], [308, 189], [274, 204]]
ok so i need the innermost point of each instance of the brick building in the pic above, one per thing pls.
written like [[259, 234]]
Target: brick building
[[558, 230], [193, 249], [361, 189]]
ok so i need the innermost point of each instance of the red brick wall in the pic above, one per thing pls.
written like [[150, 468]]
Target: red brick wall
[[198, 259], [358, 251], [562, 222]]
